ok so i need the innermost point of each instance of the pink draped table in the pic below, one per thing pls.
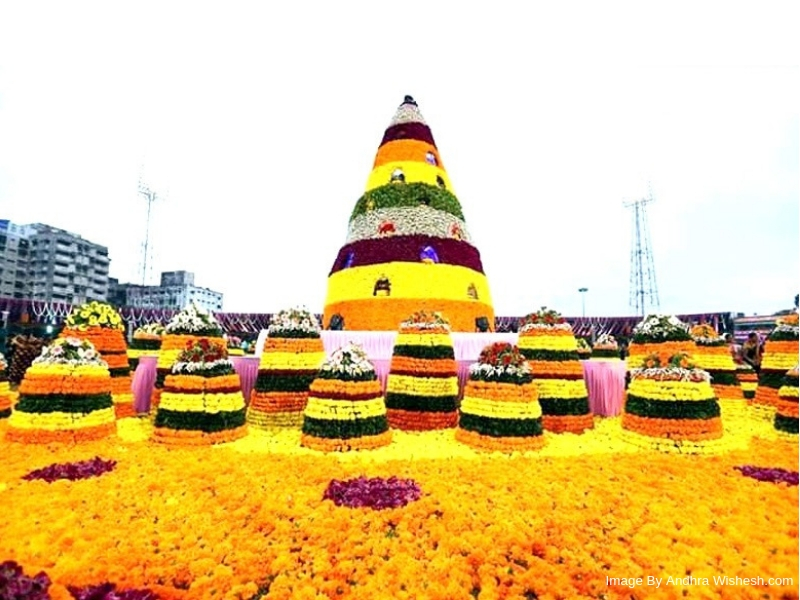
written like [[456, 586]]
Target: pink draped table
[[605, 380]]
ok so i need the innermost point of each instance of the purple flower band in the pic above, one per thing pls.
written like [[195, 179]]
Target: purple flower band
[[769, 475], [377, 493], [408, 131], [109, 591], [72, 471], [407, 248]]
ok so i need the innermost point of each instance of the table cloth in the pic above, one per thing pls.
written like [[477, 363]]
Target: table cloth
[[605, 380]]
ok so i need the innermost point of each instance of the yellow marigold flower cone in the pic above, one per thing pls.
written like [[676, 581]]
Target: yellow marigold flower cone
[[780, 355], [786, 408]]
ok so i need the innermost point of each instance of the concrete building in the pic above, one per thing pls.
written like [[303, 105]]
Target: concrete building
[[51, 264], [177, 291]]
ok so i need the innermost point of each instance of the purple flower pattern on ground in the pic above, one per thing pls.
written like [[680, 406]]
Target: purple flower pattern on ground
[[72, 471], [109, 591], [15, 585], [377, 493], [770, 475]]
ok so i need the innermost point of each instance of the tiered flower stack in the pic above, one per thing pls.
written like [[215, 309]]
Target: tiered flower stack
[[345, 409], [146, 342], [584, 349], [202, 401], [547, 342], [189, 325], [6, 396], [780, 355], [65, 396], [293, 353], [422, 387], [786, 413], [500, 409], [101, 325], [748, 379], [606, 348], [714, 356], [662, 335], [671, 407], [407, 247]]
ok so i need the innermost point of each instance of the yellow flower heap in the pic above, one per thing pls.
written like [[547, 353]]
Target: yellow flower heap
[[662, 335], [146, 342], [345, 409], [786, 412], [189, 325], [100, 324], [547, 342], [500, 410], [422, 387], [671, 407], [606, 348], [65, 396], [5, 389], [202, 401], [292, 355], [780, 355], [714, 356], [407, 245]]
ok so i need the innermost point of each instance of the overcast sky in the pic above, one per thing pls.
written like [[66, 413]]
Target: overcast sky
[[258, 123]]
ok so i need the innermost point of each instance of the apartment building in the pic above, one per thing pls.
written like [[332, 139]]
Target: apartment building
[[176, 291], [51, 264]]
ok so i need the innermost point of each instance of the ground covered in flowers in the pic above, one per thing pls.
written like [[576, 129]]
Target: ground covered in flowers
[[251, 519]]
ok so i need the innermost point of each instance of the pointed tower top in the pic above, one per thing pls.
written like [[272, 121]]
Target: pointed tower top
[[408, 124], [409, 100], [407, 112]]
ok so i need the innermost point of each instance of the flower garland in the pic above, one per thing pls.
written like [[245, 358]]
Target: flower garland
[[500, 410], [100, 324], [547, 342], [673, 402], [786, 409], [293, 353], [202, 401], [422, 387], [6, 396], [95, 314], [780, 355], [377, 492], [345, 408], [65, 396], [606, 347]]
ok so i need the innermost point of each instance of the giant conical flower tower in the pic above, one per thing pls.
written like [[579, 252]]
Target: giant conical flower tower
[[407, 246], [780, 355]]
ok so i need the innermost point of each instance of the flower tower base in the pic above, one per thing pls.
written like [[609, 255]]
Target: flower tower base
[[345, 409], [101, 325], [6, 396], [672, 408], [661, 336], [547, 342], [500, 410], [65, 396], [292, 355], [786, 413], [422, 387], [188, 326], [780, 355], [202, 401], [714, 357]]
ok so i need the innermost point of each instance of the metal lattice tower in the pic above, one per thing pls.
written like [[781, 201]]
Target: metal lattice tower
[[147, 247], [644, 292]]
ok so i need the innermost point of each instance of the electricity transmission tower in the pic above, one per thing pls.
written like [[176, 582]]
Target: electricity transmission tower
[[147, 247], [644, 293]]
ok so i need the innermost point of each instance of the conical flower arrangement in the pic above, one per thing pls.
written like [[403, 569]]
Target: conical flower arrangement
[[292, 355], [100, 324], [65, 396], [6, 396], [345, 409], [546, 340], [660, 335], [146, 342], [671, 407], [748, 379], [202, 401], [422, 387], [786, 413], [714, 357], [606, 347], [500, 410], [780, 355], [189, 325], [407, 246]]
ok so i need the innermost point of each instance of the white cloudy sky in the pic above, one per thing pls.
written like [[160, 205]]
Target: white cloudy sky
[[260, 125]]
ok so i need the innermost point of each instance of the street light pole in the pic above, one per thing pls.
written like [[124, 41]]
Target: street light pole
[[583, 291]]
